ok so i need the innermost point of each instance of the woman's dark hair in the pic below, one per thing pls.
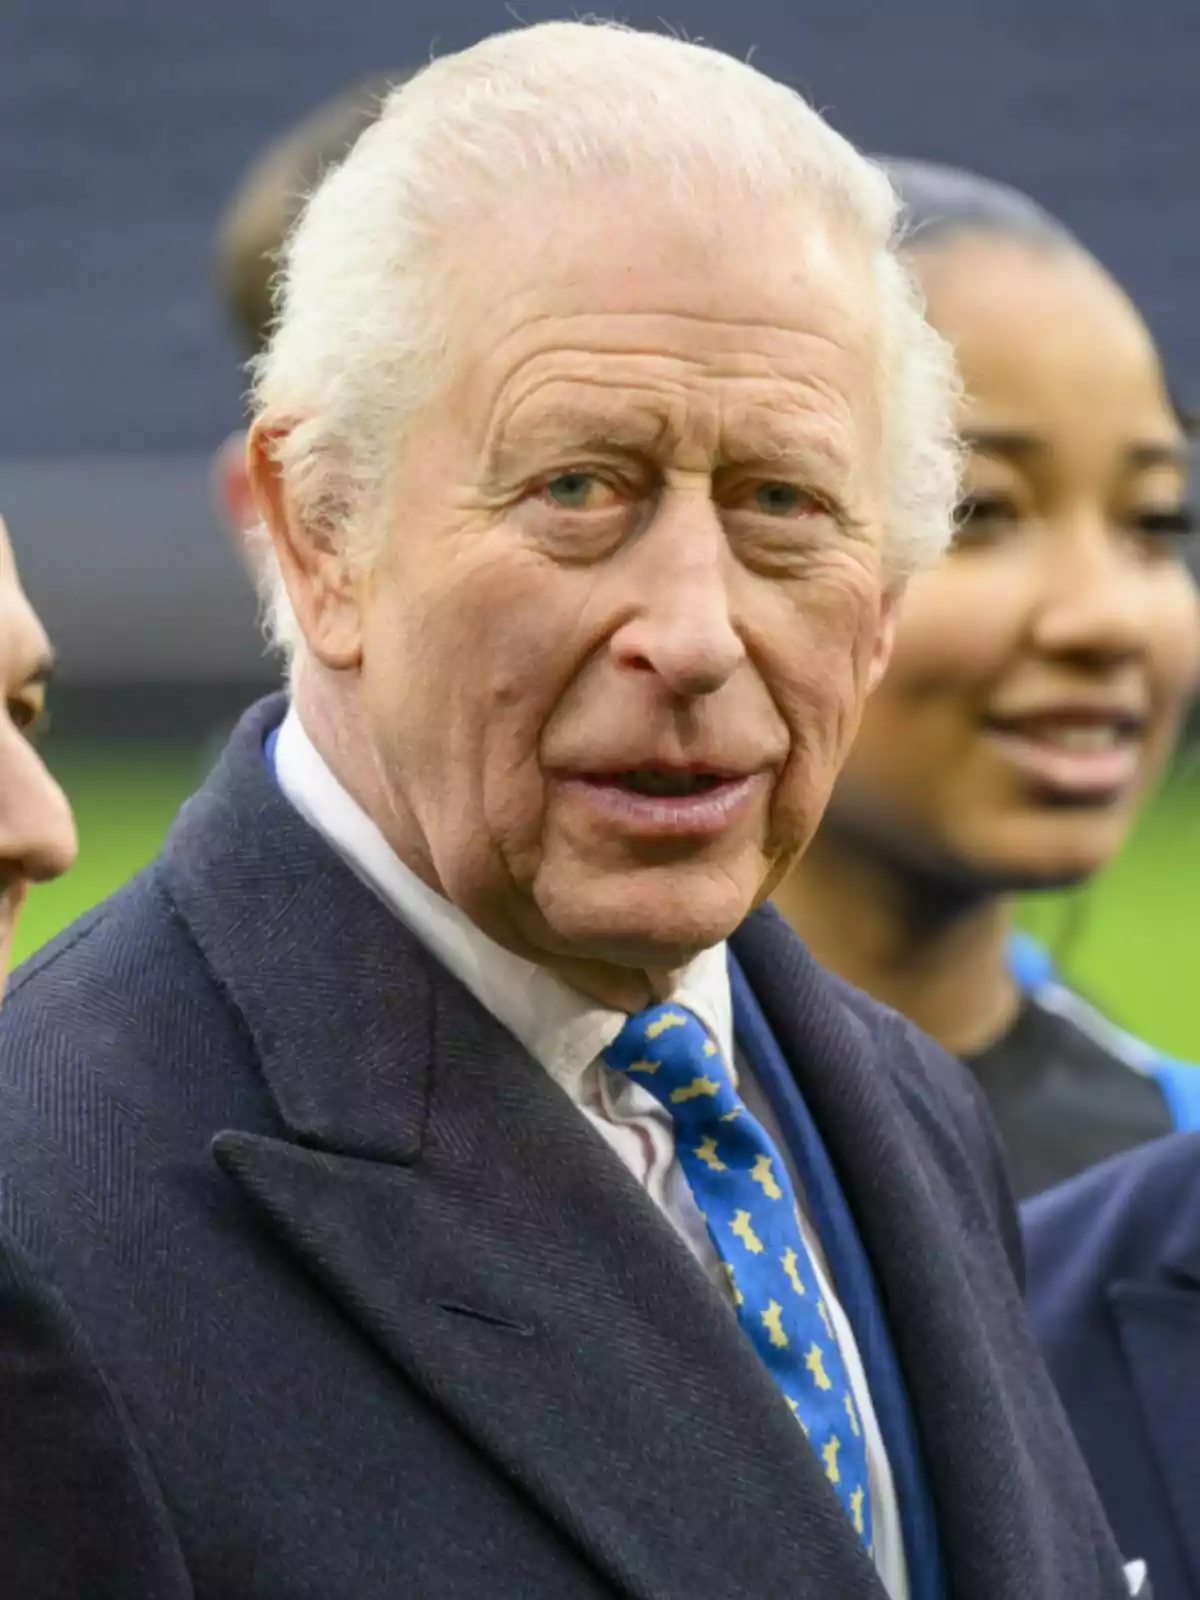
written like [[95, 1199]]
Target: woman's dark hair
[[939, 202]]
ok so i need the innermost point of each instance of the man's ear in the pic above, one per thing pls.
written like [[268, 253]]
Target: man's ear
[[885, 638], [315, 570]]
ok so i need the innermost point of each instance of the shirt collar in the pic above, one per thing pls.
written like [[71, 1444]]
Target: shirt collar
[[562, 1029]]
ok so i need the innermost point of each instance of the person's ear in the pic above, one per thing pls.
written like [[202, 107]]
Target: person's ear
[[236, 506], [232, 487], [314, 569], [885, 638]]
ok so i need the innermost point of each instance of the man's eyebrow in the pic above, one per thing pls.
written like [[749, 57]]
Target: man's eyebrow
[[569, 429], [589, 432]]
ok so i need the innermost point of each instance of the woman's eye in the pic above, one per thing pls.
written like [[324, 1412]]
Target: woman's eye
[[26, 717], [982, 516], [976, 508], [1168, 524], [783, 500], [579, 491]]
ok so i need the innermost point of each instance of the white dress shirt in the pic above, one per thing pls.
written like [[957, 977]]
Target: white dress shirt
[[566, 1033]]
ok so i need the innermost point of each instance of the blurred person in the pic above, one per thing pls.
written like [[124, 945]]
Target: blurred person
[[37, 831], [460, 1186], [264, 207], [1036, 688], [1114, 1293]]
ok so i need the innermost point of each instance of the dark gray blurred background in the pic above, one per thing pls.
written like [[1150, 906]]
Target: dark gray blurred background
[[124, 126]]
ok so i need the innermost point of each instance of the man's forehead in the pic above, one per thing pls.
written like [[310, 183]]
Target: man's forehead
[[726, 423], [732, 275], [653, 382]]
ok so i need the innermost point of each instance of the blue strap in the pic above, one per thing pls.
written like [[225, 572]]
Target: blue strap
[[1179, 1081], [1180, 1085], [857, 1290], [1030, 963]]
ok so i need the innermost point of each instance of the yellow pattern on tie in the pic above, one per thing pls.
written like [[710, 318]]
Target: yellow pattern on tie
[[762, 1174], [856, 1509], [790, 1264], [815, 1362], [694, 1090], [742, 1230], [707, 1152], [743, 1190], [771, 1322]]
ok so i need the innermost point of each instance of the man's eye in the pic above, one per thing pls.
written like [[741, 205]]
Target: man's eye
[[579, 491], [783, 500]]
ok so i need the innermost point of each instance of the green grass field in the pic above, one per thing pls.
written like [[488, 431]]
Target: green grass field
[[1134, 942]]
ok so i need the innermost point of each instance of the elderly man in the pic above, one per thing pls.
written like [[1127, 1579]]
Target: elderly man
[[428, 1200]]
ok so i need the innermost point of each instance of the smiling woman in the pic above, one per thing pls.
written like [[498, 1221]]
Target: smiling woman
[[1036, 686], [37, 833]]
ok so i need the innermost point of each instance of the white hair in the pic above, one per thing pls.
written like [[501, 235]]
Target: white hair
[[363, 298]]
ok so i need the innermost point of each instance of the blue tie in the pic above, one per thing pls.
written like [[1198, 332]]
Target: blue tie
[[745, 1195]]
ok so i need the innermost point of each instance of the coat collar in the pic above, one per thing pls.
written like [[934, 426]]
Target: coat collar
[[1153, 1296], [445, 1192], [336, 994], [929, 1207]]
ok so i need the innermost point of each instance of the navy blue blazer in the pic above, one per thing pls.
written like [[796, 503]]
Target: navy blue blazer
[[1114, 1292], [314, 1287]]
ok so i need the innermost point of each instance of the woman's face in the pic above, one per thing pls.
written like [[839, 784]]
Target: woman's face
[[1041, 670], [37, 832]]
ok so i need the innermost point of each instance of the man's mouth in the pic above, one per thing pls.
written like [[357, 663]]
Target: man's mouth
[[660, 782], [663, 802]]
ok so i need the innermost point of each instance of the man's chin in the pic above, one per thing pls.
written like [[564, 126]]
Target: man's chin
[[661, 924]]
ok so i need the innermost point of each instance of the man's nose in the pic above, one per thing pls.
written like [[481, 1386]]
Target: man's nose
[[37, 830], [682, 626]]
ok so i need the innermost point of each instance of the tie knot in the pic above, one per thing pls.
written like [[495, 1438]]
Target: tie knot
[[668, 1050]]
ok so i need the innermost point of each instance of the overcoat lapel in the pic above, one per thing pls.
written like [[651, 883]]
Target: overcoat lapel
[[435, 1182], [930, 1231], [1159, 1326]]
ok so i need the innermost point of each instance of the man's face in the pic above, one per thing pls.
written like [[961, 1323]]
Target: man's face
[[631, 600]]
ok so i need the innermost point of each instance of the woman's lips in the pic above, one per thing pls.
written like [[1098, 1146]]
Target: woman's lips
[[661, 803], [1074, 757]]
